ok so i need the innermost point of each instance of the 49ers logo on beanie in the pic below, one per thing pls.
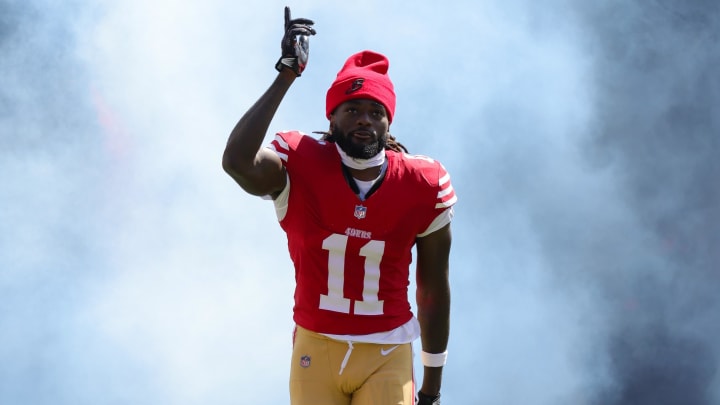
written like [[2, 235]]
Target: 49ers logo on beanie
[[355, 86], [364, 75]]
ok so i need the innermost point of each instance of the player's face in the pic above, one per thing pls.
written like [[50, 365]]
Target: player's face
[[360, 127]]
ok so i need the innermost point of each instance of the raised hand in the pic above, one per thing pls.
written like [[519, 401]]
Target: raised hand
[[295, 43]]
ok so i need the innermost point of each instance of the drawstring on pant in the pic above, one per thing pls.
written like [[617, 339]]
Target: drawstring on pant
[[347, 357]]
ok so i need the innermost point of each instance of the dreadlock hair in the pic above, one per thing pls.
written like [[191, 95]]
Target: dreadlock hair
[[391, 144]]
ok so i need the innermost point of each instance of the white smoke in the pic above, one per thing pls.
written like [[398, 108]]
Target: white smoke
[[133, 270]]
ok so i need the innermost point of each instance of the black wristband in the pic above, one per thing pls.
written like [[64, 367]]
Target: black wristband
[[290, 63], [424, 399]]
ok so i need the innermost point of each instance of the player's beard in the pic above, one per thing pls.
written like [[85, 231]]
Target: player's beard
[[356, 150]]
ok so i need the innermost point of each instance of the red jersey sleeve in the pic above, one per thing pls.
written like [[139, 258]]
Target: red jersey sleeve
[[441, 195]]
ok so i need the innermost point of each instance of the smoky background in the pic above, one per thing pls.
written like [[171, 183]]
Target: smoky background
[[582, 140]]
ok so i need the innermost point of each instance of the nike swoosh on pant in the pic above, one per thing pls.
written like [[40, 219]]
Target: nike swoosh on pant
[[386, 352]]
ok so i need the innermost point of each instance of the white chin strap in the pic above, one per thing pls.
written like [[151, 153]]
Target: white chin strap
[[360, 164]]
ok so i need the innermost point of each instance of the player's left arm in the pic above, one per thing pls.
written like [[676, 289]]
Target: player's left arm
[[433, 300]]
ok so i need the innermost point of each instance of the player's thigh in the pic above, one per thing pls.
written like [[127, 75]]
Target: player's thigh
[[311, 380], [392, 383]]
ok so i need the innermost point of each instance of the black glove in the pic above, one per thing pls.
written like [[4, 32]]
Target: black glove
[[423, 399], [295, 43]]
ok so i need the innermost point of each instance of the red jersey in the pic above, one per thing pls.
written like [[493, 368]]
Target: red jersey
[[352, 256]]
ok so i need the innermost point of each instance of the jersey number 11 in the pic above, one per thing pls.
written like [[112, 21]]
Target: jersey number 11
[[336, 245]]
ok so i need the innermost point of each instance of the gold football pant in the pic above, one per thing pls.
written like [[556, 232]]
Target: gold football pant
[[325, 371]]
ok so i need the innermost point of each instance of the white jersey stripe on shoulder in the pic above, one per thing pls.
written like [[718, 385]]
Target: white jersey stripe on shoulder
[[446, 191], [444, 179], [281, 142], [447, 203]]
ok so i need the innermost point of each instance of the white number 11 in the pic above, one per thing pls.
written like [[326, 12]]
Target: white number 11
[[336, 245]]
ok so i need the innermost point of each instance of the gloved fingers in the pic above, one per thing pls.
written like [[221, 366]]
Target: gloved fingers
[[301, 21], [289, 21], [301, 30]]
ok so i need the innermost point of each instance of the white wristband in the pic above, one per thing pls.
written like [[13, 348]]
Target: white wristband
[[433, 359]]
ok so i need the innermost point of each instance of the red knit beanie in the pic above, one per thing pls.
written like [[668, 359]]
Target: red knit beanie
[[364, 75]]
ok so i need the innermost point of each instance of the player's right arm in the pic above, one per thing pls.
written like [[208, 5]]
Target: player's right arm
[[258, 170]]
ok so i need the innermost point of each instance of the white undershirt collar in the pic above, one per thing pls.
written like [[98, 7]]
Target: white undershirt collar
[[361, 164]]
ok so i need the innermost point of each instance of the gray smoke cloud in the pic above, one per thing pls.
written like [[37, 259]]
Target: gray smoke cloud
[[657, 122], [604, 187], [582, 140]]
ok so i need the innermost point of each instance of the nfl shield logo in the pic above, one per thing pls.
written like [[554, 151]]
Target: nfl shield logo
[[305, 361], [360, 211]]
